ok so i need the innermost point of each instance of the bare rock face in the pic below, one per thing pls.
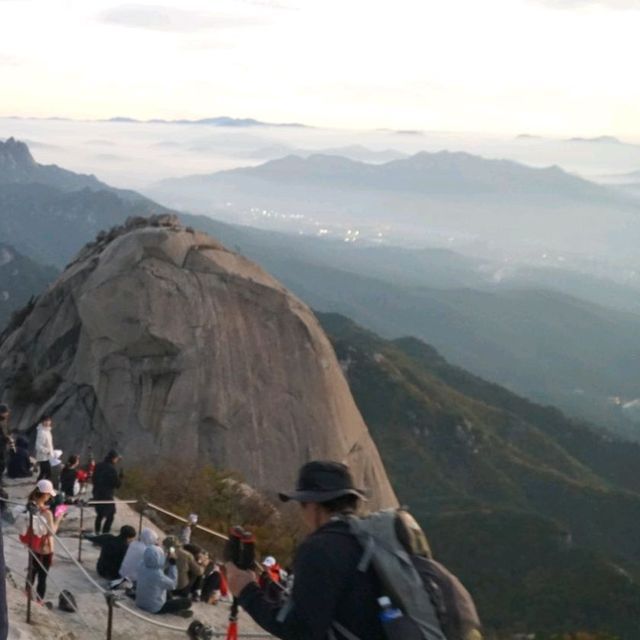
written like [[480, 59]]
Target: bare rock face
[[160, 342]]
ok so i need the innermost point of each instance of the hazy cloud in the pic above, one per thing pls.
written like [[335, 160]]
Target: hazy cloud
[[165, 18], [575, 4], [9, 60]]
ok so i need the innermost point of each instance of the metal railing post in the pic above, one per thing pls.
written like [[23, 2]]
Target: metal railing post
[[29, 570], [142, 506], [110, 600], [80, 532]]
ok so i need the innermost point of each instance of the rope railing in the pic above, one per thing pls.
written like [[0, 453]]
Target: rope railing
[[111, 598]]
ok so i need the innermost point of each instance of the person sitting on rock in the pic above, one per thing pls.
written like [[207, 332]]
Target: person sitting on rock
[[20, 464], [112, 552], [214, 586], [135, 552], [154, 583], [189, 568]]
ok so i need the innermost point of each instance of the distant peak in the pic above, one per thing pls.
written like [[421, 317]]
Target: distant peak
[[599, 140], [15, 154]]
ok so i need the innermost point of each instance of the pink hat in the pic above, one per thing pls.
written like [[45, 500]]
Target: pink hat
[[46, 486]]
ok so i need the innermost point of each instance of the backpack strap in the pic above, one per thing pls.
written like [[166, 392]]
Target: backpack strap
[[369, 549], [285, 610]]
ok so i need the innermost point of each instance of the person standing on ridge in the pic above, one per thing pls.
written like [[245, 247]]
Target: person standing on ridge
[[41, 545], [106, 480], [6, 441], [69, 484], [44, 447], [329, 592], [20, 465]]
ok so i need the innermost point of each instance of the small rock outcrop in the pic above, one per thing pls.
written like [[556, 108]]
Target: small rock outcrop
[[159, 341]]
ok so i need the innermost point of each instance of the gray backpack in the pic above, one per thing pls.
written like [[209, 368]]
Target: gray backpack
[[433, 599]]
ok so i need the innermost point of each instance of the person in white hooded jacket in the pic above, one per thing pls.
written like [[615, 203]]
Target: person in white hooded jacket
[[44, 447], [135, 551]]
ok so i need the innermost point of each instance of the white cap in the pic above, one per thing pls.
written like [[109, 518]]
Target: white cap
[[46, 486], [269, 561]]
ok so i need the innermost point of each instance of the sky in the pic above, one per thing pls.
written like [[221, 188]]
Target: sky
[[501, 66]]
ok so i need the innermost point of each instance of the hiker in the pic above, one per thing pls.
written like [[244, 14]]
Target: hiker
[[189, 568], [328, 587], [69, 484], [214, 584], [112, 552], [106, 480], [187, 530], [44, 447], [6, 441], [154, 582], [56, 468], [40, 539], [135, 552], [271, 579], [20, 464]]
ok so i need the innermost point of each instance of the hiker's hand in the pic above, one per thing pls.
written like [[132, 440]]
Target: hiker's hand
[[238, 579]]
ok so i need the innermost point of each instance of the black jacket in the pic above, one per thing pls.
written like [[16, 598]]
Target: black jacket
[[105, 480], [19, 462], [327, 588], [67, 480], [111, 555]]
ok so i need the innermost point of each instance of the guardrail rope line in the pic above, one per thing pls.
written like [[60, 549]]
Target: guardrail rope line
[[112, 599]]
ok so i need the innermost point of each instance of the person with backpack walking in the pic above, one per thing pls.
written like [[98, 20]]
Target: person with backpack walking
[[106, 480], [329, 592], [44, 447]]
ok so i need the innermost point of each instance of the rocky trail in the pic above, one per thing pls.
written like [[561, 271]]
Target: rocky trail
[[90, 622]]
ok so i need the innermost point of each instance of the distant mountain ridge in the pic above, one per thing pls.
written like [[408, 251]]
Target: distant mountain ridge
[[20, 279], [442, 172], [543, 344], [219, 121], [18, 167]]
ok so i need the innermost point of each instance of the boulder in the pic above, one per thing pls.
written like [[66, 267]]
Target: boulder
[[158, 341]]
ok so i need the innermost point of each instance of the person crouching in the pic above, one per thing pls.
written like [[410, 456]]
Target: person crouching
[[155, 581]]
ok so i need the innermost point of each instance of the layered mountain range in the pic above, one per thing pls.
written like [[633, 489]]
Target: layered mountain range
[[433, 197], [535, 511], [553, 334]]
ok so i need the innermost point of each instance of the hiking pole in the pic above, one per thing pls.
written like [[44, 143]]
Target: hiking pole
[[80, 532], [240, 549]]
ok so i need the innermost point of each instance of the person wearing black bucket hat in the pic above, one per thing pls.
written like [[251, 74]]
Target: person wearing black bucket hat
[[329, 592]]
